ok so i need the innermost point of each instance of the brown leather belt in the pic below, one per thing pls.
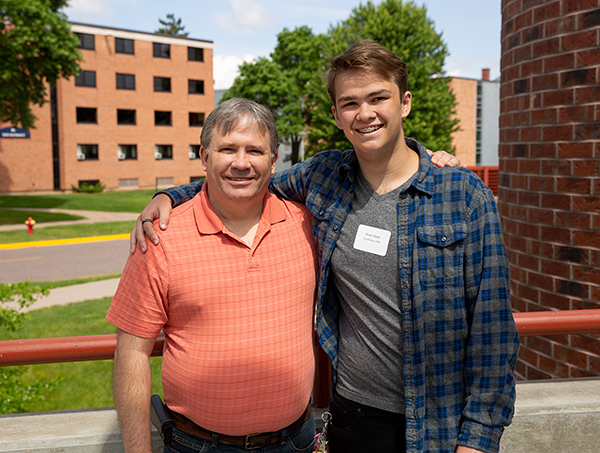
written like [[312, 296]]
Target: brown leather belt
[[249, 442]]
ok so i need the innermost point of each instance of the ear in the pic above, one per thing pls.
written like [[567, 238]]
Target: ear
[[204, 157], [274, 158], [336, 117], [406, 104]]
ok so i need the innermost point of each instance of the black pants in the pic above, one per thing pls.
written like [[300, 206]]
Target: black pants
[[356, 428]]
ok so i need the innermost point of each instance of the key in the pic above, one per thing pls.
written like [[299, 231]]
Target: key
[[321, 444]]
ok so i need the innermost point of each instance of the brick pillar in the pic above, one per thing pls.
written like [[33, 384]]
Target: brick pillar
[[549, 172]]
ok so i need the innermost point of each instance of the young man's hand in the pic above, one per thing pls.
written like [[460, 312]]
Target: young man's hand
[[444, 159], [160, 207], [462, 449]]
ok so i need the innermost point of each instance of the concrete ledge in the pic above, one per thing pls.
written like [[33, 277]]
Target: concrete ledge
[[555, 416], [551, 417], [79, 431]]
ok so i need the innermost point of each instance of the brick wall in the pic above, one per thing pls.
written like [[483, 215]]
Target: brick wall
[[463, 140], [549, 172], [26, 163]]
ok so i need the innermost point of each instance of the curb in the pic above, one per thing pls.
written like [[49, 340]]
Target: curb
[[17, 245]]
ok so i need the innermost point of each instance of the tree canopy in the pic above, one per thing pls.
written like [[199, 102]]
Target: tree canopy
[[36, 47], [172, 26], [303, 108], [281, 82]]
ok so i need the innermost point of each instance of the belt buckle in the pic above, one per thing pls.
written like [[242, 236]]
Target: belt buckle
[[247, 445]]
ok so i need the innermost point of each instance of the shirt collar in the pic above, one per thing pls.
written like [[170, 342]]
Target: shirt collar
[[208, 222], [425, 175]]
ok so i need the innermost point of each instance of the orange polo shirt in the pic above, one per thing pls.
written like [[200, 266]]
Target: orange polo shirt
[[238, 320]]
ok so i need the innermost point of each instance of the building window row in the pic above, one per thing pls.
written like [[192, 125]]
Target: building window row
[[162, 84], [86, 79], [127, 82], [89, 115], [129, 152], [127, 46], [123, 45], [86, 41]]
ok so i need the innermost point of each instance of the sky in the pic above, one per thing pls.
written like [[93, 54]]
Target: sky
[[242, 30]]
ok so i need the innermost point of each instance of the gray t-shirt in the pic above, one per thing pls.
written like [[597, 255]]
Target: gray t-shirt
[[370, 360]]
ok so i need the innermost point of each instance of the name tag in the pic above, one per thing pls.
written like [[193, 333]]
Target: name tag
[[372, 240]]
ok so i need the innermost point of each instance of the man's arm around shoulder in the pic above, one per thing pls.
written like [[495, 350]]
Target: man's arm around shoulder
[[132, 387]]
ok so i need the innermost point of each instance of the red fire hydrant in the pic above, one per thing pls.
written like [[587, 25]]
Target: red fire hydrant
[[30, 222]]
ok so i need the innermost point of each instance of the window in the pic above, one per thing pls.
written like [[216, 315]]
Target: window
[[126, 117], [86, 79], [197, 178], [195, 54], [88, 182], [130, 183], [163, 152], [87, 152], [196, 86], [164, 182], [161, 50], [87, 115], [127, 152], [194, 152], [162, 84], [162, 118], [123, 45], [196, 119], [478, 127], [86, 41], [125, 82]]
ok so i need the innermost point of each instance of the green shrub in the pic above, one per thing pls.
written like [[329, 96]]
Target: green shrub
[[17, 393], [89, 188]]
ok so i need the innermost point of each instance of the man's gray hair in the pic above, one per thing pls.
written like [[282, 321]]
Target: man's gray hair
[[229, 113]]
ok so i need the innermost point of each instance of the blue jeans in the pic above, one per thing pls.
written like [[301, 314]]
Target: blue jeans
[[301, 440]]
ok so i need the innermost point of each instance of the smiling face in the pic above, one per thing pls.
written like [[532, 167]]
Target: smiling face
[[369, 109], [238, 166]]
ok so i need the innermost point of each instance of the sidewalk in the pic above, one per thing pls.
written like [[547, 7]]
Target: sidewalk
[[90, 217], [84, 291], [77, 293]]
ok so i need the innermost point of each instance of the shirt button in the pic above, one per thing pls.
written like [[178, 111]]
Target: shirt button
[[443, 238], [335, 228], [321, 212]]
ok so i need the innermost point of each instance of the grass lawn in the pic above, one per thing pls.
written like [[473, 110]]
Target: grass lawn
[[67, 231], [73, 281], [125, 201], [84, 384], [11, 217]]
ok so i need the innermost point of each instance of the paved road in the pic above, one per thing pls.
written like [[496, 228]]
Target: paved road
[[59, 262]]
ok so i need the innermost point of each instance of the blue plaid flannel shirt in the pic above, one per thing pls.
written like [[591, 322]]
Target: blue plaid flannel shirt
[[460, 340]]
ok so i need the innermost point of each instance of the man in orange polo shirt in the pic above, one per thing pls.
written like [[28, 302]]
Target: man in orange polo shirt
[[232, 285]]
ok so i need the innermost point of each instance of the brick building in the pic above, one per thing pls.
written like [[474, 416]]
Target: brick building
[[549, 179], [132, 117], [478, 108]]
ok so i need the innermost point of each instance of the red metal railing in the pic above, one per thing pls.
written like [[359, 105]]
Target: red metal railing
[[102, 347], [488, 174]]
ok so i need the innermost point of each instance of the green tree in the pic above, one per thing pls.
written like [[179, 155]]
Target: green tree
[[16, 392], [282, 82], [36, 47], [172, 26], [405, 29]]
